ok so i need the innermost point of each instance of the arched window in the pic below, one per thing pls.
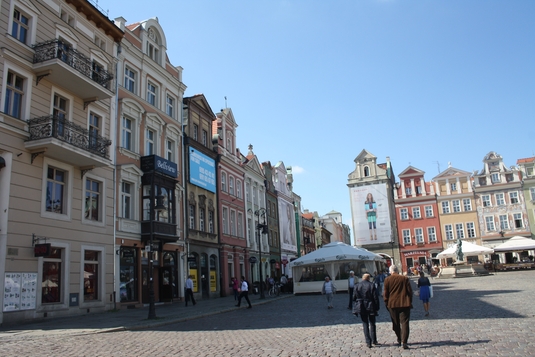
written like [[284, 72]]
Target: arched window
[[366, 171]]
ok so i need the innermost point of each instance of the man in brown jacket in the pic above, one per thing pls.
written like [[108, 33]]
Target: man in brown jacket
[[397, 294]]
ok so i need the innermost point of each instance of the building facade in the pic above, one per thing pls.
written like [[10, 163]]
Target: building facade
[[56, 140], [272, 207], [149, 174], [527, 168]]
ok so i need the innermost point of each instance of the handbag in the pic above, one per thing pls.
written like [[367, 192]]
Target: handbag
[[430, 290]]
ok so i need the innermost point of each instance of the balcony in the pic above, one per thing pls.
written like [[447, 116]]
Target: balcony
[[70, 69], [62, 140], [162, 231]]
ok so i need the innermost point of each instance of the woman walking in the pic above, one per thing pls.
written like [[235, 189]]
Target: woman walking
[[328, 289], [425, 293]]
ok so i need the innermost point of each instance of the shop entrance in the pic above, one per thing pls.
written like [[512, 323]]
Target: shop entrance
[[145, 287]]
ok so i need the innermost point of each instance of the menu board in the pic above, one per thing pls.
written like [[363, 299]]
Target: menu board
[[20, 291]]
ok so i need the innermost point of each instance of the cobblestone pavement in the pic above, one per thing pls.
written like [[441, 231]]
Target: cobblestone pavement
[[476, 316]]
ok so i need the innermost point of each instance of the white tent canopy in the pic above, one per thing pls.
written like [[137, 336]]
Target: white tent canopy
[[467, 248], [516, 243], [336, 251]]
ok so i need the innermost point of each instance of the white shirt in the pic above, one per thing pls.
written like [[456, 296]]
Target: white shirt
[[244, 286], [352, 281], [328, 287], [189, 284]]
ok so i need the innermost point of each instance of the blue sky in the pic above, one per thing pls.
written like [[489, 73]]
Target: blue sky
[[314, 82]]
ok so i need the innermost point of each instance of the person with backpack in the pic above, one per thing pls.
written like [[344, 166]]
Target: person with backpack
[[244, 293]]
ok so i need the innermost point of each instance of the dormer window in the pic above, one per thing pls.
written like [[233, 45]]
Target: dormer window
[[366, 171], [153, 45]]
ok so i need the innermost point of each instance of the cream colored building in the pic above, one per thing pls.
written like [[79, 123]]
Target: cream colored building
[[57, 70]]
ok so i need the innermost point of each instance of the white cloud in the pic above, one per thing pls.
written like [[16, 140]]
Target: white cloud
[[297, 170]]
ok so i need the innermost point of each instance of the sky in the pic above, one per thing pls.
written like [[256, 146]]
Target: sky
[[312, 83]]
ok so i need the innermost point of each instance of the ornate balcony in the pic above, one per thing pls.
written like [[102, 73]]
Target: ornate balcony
[[70, 69], [60, 139]]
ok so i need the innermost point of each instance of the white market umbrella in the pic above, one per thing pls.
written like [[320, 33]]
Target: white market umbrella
[[336, 251], [467, 248], [516, 243]]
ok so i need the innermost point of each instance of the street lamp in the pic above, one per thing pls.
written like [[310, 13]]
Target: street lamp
[[156, 207], [262, 228]]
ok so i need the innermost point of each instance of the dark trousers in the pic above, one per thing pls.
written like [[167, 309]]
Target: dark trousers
[[400, 323], [235, 294], [350, 293], [244, 294], [368, 324], [189, 295]]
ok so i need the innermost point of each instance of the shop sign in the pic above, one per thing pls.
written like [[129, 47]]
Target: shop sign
[[416, 252], [42, 250], [159, 164], [252, 260]]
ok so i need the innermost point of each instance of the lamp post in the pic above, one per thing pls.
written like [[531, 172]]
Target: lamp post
[[261, 228], [156, 206]]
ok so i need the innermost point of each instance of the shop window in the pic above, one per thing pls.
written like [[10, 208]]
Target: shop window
[[52, 282], [91, 275]]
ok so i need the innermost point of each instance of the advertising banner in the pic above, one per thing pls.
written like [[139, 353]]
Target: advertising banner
[[201, 170], [287, 226], [371, 214]]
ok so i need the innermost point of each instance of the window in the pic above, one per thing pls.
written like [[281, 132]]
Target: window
[[225, 220], [100, 42], [517, 218], [60, 107], [67, 17], [419, 190], [532, 192], [406, 233], [201, 219], [211, 221], [495, 178], [459, 230], [467, 204], [416, 213], [513, 197], [408, 191], [248, 189], [486, 200], [195, 132], [170, 150], [232, 223], [238, 189], [153, 52], [432, 234], [94, 130], [91, 274], [14, 95], [126, 134], [151, 94], [240, 225], [456, 204], [21, 26], [504, 223], [231, 185], [500, 200], [170, 107], [204, 138], [92, 209], [255, 194], [366, 171], [489, 223], [130, 80], [445, 207], [404, 214], [150, 138], [98, 74], [191, 217], [448, 230], [126, 200], [55, 190], [470, 230], [453, 186], [419, 235], [52, 282], [428, 211], [223, 182]]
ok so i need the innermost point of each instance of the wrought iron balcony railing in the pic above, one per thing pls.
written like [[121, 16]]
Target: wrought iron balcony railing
[[56, 49], [59, 128]]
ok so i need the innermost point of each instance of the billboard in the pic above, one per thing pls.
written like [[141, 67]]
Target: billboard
[[371, 214], [201, 170], [287, 226]]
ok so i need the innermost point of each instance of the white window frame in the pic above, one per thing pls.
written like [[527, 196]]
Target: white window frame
[[406, 234], [223, 181], [170, 149], [152, 95], [513, 197], [248, 192], [431, 234], [124, 197], [191, 216], [231, 185], [101, 276], [429, 211], [504, 221], [224, 220], [102, 202], [419, 235], [240, 225], [517, 217], [151, 142], [495, 178], [204, 137], [459, 230], [500, 199], [129, 83], [532, 193], [445, 207], [485, 201], [65, 274], [69, 170], [470, 230], [453, 186], [170, 107], [202, 219], [232, 222], [456, 206], [467, 204], [239, 189], [490, 225], [403, 214], [416, 214], [132, 174], [33, 15], [448, 231]]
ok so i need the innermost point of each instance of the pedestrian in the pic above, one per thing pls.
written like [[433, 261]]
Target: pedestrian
[[189, 290], [351, 282], [425, 291], [235, 287], [328, 289], [244, 293], [367, 305], [397, 295], [379, 281], [284, 283]]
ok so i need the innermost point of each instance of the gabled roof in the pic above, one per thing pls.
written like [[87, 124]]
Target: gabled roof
[[526, 160], [364, 154], [451, 172], [411, 171]]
